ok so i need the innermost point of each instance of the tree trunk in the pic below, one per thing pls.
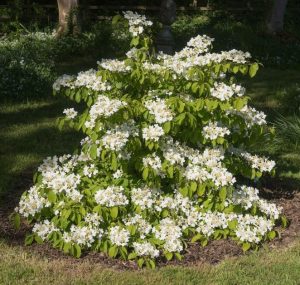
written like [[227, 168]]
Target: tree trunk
[[68, 17], [276, 19]]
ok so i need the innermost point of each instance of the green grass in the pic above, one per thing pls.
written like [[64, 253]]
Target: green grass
[[278, 267], [28, 134]]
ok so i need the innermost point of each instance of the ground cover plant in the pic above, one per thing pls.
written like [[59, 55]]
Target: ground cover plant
[[164, 159]]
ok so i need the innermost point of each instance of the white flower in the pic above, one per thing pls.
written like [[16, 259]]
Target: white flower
[[103, 107], [44, 229], [260, 163], [153, 133], [119, 236], [32, 203], [118, 174], [143, 227], [250, 115], [143, 197], [213, 131], [116, 138], [136, 22], [111, 196], [70, 113], [160, 110], [145, 249], [82, 235], [170, 233], [90, 170], [152, 161]]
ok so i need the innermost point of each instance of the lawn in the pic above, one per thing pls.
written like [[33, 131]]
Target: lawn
[[29, 134]]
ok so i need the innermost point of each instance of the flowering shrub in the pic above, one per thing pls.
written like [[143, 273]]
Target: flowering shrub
[[163, 160]]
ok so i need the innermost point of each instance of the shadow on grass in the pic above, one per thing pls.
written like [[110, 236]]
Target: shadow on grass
[[28, 135]]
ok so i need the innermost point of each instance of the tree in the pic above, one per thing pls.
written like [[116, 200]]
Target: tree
[[276, 19], [68, 17]]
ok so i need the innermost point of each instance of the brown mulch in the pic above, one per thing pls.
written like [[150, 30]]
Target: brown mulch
[[281, 193]]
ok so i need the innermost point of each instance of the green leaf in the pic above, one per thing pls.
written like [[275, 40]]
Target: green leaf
[[167, 127], [152, 264], [223, 193], [193, 186], [135, 41], [272, 235], [132, 255], [114, 162], [284, 221], [140, 262], [112, 252], [93, 151], [169, 255], [29, 239], [145, 173], [196, 237], [201, 189], [178, 255], [246, 246], [51, 196], [114, 212], [17, 221], [239, 103], [253, 69], [184, 191], [235, 69], [194, 87], [116, 19], [170, 171], [77, 252], [38, 239]]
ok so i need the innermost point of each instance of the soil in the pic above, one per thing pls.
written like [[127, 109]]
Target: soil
[[282, 192]]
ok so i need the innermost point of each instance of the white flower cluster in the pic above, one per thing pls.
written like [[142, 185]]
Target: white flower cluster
[[143, 227], [152, 161], [116, 138], [58, 175], [88, 79], [224, 92], [65, 80], [119, 236], [103, 107], [143, 197], [210, 221], [213, 131], [248, 196], [160, 110], [145, 249], [91, 80], [32, 203], [169, 232], [83, 235], [200, 43], [118, 174], [114, 65], [44, 229], [251, 116], [252, 228], [90, 170], [137, 22], [260, 163], [70, 113], [111, 196], [219, 175], [184, 60], [153, 133]]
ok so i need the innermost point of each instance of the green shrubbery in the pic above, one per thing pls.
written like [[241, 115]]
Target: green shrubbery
[[164, 160]]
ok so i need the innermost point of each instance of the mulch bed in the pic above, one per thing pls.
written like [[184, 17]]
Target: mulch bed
[[278, 191]]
